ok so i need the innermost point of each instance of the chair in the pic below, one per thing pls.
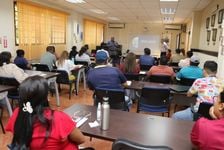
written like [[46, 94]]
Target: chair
[[203, 111], [187, 81], [132, 76], [123, 144], [63, 78], [41, 67], [145, 67], [12, 94], [116, 98], [154, 99], [173, 64], [160, 78], [84, 63]]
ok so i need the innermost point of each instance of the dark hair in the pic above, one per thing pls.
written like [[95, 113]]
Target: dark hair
[[211, 66], [147, 51], [163, 60], [189, 54], [34, 89], [20, 53], [82, 50], [194, 63], [5, 58], [178, 51], [74, 48], [50, 49], [222, 96], [104, 46], [86, 46]]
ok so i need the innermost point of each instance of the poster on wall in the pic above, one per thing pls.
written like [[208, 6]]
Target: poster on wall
[[5, 42]]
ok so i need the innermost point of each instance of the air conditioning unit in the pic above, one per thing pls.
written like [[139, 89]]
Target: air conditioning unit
[[172, 27], [116, 25]]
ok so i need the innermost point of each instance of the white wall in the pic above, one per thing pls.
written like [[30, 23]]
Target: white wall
[[7, 26], [124, 36]]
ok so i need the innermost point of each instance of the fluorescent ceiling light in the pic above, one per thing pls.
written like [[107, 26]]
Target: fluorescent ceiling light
[[169, 0], [98, 11], [113, 18], [167, 19], [168, 11], [75, 1]]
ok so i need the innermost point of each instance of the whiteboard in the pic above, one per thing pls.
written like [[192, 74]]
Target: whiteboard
[[138, 43]]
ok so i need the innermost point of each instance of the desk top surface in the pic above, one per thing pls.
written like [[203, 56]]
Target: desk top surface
[[138, 85], [44, 74], [141, 128]]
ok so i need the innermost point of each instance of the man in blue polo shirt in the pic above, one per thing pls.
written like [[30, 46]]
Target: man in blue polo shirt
[[192, 71], [104, 76], [146, 59]]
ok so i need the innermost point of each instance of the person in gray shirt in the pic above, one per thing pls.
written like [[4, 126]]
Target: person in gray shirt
[[49, 57]]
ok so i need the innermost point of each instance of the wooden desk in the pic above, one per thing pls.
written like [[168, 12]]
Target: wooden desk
[[138, 85], [5, 88], [50, 76], [141, 128]]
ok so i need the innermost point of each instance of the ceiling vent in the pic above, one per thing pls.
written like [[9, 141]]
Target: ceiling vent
[[172, 27], [116, 25]]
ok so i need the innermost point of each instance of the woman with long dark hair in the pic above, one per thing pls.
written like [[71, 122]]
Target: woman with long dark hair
[[82, 56], [36, 126]]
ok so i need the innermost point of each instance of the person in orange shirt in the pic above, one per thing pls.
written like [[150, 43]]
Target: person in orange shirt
[[162, 68]]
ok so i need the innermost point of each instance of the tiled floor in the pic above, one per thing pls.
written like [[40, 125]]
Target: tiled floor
[[84, 97]]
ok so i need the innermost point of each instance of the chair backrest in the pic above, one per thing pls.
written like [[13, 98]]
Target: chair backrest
[[41, 67], [187, 81], [123, 144], [156, 96], [203, 110], [173, 64], [160, 78], [62, 77], [132, 76], [116, 98], [84, 63], [145, 67], [12, 82]]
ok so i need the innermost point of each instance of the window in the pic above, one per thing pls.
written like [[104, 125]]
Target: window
[[37, 26]]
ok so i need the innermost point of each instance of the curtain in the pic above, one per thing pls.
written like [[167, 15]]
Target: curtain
[[38, 27], [93, 33]]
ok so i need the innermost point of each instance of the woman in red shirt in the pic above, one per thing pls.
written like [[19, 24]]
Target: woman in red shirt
[[130, 65], [208, 134], [35, 126]]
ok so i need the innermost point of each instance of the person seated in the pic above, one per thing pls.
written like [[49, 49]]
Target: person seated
[[10, 70], [175, 58], [130, 65], [106, 77], [192, 71], [20, 61], [205, 88], [207, 134], [73, 53], [49, 58], [82, 56], [161, 69], [186, 62], [146, 59], [66, 64], [35, 125]]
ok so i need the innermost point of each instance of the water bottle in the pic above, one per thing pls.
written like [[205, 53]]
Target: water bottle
[[98, 113], [105, 114], [73, 60]]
